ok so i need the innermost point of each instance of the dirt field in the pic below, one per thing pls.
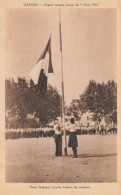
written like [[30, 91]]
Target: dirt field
[[33, 161]]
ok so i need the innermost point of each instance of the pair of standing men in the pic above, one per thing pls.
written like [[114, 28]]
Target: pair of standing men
[[72, 138]]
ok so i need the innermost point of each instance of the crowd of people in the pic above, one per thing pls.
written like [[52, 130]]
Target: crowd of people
[[49, 131]]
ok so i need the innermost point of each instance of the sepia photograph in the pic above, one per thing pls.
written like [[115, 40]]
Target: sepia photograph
[[61, 95]]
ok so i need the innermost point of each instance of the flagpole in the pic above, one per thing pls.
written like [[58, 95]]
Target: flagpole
[[62, 82]]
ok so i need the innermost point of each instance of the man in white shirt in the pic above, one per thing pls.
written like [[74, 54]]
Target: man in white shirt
[[73, 138], [58, 138]]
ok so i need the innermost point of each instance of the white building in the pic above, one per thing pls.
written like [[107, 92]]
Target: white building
[[86, 119]]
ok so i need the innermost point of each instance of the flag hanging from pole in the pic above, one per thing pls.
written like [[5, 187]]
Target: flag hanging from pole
[[43, 66]]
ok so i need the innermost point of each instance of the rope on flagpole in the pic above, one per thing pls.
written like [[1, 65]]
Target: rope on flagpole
[[63, 103]]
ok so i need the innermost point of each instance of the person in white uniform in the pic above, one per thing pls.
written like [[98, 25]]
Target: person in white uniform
[[58, 138], [73, 138]]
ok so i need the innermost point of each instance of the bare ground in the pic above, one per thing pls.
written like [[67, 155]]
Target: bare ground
[[33, 160]]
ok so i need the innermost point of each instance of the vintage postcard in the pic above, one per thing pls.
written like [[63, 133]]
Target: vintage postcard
[[60, 97]]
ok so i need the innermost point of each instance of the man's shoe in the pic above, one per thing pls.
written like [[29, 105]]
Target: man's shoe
[[74, 156]]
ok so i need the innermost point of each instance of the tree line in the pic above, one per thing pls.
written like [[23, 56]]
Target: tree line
[[26, 107]]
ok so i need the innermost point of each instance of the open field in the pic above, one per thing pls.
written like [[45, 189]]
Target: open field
[[33, 160]]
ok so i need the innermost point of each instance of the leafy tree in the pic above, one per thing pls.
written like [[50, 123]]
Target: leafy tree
[[74, 108], [99, 98], [22, 98]]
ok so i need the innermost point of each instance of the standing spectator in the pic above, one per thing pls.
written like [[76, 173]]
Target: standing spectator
[[58, 138], [73, 138], [106, 129], [66, 126]]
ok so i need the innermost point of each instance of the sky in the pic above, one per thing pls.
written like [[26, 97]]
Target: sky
[[88, 45]]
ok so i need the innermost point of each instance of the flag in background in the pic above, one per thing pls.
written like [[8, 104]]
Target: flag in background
[[43, 66]]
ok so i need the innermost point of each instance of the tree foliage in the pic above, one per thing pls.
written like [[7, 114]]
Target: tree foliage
[[99, 98], [22, 98]]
